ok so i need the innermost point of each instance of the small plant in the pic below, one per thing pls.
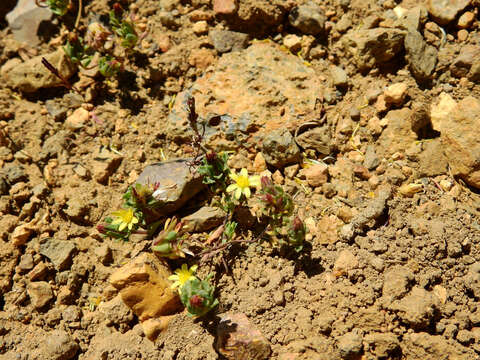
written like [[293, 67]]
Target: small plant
[[58, 7], [169, 242], [198, 296]]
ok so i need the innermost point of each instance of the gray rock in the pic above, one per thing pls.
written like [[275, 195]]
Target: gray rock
[[417, 308], [178, 182], [339, 76], [226, 41], [350, 344], [54, 145], [308, 18], [370, 47], [206, 218], [26, 263], [32, 75], [371, 160], [318, 139], [115, 311], [279, 149], [40, 293], [397, 282], [59, 252], [25, 19], [445, 11], [462, 64], [58, 346], [56, 109]]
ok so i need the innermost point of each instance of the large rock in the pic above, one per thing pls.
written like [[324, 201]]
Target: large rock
[[25, 19], [421, 57], [144, 287], [179, 181], [32, 75], [445, 11], [252, 92], [457, 124], [370, 47]]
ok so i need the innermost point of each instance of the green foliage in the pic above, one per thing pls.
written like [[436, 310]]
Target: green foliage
[[123, 28], [58, 7], [78, 52], [230, 228], [109, 66], [215, 170], [169, 241], [198, 296]]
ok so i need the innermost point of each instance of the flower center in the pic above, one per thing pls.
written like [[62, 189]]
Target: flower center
[[183, 276], [242, 182], [127, 216]]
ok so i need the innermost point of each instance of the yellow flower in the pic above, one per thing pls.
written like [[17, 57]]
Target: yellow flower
[[182, 275], [125, 219], [242, 184]]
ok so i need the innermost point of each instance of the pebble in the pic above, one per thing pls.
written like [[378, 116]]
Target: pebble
[[446, 11], [462, 35], [395, 94], [466, 20], [309, 18], [40, 293], [345, 262], [292, 42], [225, 7], [339, 76], [58, 346], [225, 41], [25, 20], [259, 163], [78, 119], [350, 344], [200, 27], [316, 175], [21, 234]]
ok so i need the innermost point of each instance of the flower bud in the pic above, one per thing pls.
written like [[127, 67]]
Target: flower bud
[[297, 224], [196, 301], [266, 182], [211, 157]]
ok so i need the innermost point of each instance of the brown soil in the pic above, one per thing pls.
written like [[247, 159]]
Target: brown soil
[[406, 284]]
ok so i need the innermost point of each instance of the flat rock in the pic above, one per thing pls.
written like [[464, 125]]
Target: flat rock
[[457, 123], [204, 219], [144, 287], [59, 252], [58, 345], [225, 41], [238, 338], [25, 19], [40, 293], [251, 92], [318, 139], [32, 75], [371, 47], [179, 181], [445, 11]]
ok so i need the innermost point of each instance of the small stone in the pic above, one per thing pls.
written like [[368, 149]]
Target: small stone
[[21, 234], [350, 344], [277, 178], [397, 282], [316, 175], [201, 58], [59, 252], [225, 7], [421, 57], [26, 263], [259, 163], [144, 287], [206, 218], [409, 190], [292, 42], [441, 111], [39, 272], [383, 345], [40, 293], [446, 185], [462, 35], [153, 327], [291, 171], [371, 160], [25, 21], [115, 311], [354, 113], [236, 336], [78, 119], [417, 308], [339, 76], [395, 94], [445, 11], [309, 18], [345, 262], [104, 254], [226, 41], [200, 27], [280, 149], [466, 20], [105, 164], [380, 104]]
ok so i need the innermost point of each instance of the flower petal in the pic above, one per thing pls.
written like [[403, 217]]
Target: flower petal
[[231, 187], [173, 277], [244, 172], [254, 180], [238, 193], [122, 226], [194, 268], [233, 176], [134, 220], [247, 192]]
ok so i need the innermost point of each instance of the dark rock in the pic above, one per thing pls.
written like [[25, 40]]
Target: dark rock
[[226, 41], [3, 187], [309, 18], [179, 182], [237, 339], [421, 57], [279, 149], [206, 218], [59, 252]]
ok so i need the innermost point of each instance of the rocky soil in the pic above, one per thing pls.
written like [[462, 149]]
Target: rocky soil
[[384, 95]]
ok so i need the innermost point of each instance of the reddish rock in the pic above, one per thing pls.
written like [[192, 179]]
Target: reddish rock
[[316, 175], [224, 6]]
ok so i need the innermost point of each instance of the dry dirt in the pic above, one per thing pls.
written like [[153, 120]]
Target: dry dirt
[[387, 276]]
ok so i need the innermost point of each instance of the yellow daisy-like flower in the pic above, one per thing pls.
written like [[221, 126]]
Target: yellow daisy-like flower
[[125, 219], [242, 184], [182, 275]]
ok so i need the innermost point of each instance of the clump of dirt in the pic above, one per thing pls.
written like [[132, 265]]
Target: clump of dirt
[[392, 270]]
